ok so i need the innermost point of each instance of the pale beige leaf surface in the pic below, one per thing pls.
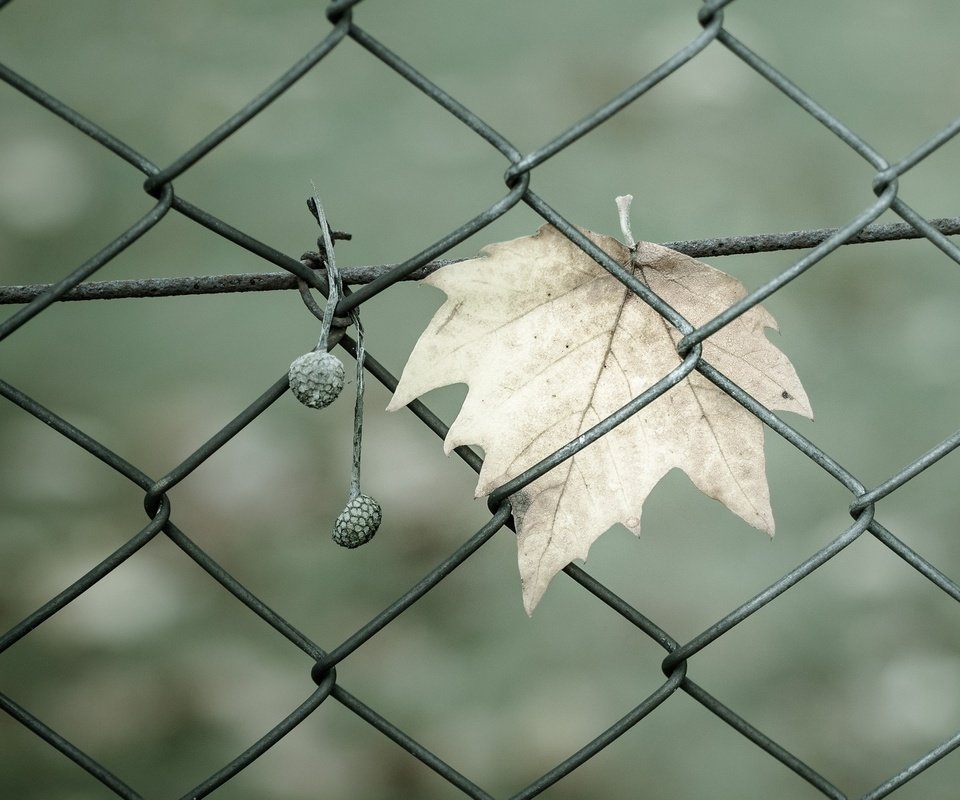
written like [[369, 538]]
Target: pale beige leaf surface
[[550, 344]]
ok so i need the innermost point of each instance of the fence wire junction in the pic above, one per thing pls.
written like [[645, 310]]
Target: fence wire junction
[[367, 283]]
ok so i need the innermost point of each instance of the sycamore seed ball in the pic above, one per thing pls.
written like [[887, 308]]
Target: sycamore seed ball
[[358, 522], [316, 379]]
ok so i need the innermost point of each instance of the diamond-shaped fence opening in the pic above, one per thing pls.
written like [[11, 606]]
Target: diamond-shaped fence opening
[[152, 222]]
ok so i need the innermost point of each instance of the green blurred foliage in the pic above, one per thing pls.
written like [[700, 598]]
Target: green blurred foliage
[[163, 677]]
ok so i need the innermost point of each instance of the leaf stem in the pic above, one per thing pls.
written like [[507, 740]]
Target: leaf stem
[[623, 207]]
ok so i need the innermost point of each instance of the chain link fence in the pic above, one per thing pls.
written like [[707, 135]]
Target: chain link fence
[[329, 658]]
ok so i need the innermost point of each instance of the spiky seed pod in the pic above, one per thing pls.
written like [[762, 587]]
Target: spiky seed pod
[[316, 379], [358, 522]]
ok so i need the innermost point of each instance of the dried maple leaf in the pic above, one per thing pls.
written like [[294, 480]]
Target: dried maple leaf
[[550, 344]]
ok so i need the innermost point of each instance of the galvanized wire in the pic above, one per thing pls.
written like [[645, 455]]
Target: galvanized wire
[[372, 281]]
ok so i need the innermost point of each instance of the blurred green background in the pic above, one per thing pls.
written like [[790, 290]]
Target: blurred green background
[[163, 677]]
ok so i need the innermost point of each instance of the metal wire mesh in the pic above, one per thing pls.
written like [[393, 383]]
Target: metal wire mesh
[[326, 688]]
